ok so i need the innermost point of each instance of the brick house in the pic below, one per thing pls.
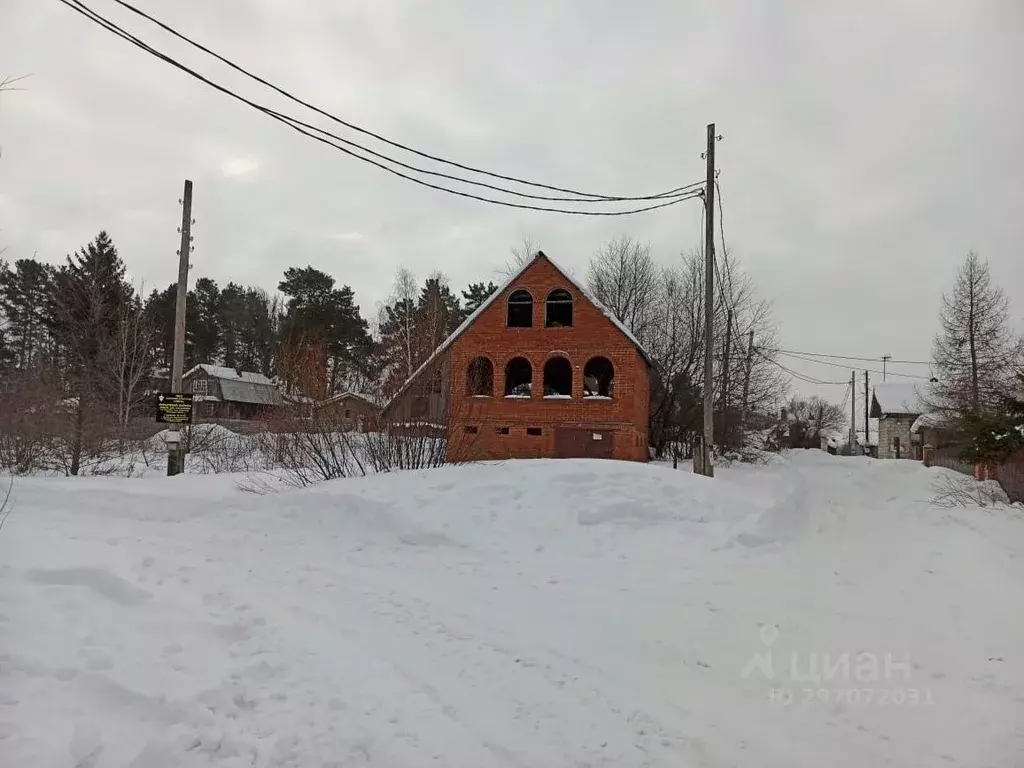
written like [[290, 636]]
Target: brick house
[[539, 370], [353, 410], [897, 407], [230, 394]]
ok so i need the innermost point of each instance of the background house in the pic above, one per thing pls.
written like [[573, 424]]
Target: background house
[[897, 407], [229, 393], [357, 411]]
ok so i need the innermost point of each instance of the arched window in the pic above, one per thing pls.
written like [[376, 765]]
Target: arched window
[[558, 312], [480, 377], [599, 378], [518, 377], [558, 378], [520, 309]]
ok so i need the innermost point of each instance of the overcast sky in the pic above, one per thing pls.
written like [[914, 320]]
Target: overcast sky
[[867, 146]]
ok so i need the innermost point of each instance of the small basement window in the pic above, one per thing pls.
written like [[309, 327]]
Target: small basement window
[[520, 309], [559, 309], [535, 431], [472, 429], [558, 378], [518, 377], [501, 430]]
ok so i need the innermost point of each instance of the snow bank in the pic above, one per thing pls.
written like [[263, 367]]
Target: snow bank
[[541, 613]]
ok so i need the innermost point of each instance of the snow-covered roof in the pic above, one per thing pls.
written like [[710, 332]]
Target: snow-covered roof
[[223, 372], [486, 303], [898, 400], [934, 419], [374, 400]]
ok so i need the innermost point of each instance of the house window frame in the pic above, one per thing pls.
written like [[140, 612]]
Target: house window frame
[[199, 386], [570, 302], [509, 302]]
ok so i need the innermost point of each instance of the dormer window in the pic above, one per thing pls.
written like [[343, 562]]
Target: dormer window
[[520, 309], [558, 309]]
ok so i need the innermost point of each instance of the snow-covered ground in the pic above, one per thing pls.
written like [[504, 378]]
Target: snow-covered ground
[[521, 614]]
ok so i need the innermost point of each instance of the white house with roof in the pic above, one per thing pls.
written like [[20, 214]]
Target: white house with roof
[[897, 406]]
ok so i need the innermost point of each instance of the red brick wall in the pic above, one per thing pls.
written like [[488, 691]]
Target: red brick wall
[[591, 335]]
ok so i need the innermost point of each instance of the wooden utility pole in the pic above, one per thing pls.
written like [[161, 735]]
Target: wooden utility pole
[[867, 410], [746, 378], [705, 465], [725, 376], [176, 453], [885, 359]]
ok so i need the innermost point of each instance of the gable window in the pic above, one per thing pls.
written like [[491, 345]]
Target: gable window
[[598, 379], [518, 377], [558, 309], [520, 309], [558, 379], [200, 387], [480, 377]]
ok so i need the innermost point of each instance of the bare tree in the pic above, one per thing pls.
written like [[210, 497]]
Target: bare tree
[[520, 255], [624, 277], [811, 418], [976, 352], [126, 358]]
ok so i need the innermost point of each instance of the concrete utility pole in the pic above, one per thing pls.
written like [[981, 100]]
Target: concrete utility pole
[[885, 359], [867, 410], [705, 465], [175, 453], [853, 413]]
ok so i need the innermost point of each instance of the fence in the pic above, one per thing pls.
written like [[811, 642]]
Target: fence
[[949, 457], [1011, 476]]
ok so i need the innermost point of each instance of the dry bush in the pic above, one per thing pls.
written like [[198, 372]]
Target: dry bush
[[956, 490]]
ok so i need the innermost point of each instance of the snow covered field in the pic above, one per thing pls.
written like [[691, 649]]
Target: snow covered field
[[542, 613]]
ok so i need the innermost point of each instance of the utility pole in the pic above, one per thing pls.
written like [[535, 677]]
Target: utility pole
[[725, 376], [853, 413], [706, 467], [885, 359], [867, 409], [746, 378], [175, 452]]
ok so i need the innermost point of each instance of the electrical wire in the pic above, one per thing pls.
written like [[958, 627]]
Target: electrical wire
[[848, 357], [295, 124], [588, 196], [840, 365], [795, 374]]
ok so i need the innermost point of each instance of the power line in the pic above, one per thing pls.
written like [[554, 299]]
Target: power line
[[795, 374], [840, 365], [295, 124], [590, 197], [848, 357]]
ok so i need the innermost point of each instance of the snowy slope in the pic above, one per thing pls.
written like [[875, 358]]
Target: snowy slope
[[522, 614]]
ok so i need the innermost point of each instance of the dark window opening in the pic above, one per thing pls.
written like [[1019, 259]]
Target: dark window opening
[[557, 378], [348, 413], [535, 431], [599, 378], [420, 407], [480, 377], [518, 377], [501, 430], [472, 430], [559, 309], [520, 309], [435, 382]]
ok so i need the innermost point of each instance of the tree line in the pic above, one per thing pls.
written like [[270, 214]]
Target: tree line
[[82, 335]]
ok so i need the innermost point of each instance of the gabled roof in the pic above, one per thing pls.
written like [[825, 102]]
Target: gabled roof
[[897, 400], [223, 372], [486, 303], [374, 400]]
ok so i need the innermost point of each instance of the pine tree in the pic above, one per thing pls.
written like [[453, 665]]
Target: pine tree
[[203, 328], [437, 314], [25, 300], [976, 352], [232, 322], [475, 295]]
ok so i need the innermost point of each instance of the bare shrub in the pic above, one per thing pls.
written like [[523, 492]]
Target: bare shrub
[[956, 490], [5, 503]]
